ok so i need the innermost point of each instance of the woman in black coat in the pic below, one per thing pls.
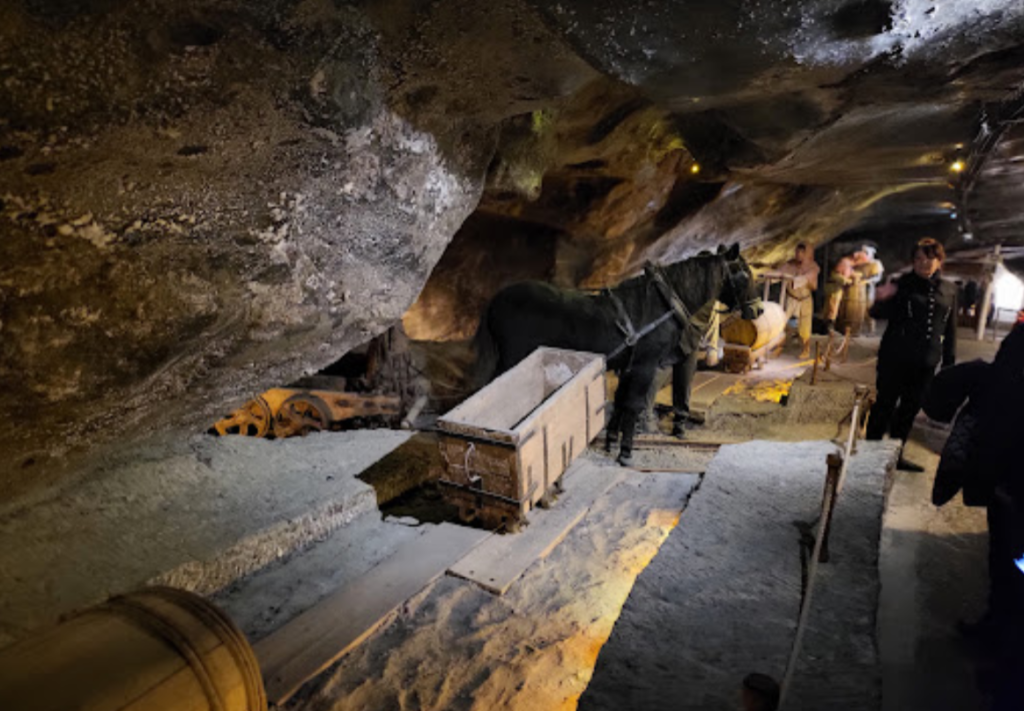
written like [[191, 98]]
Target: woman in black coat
[[921, 313]]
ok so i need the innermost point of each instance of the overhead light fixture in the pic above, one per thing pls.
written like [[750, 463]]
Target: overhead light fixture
[[957, 166], [968, 236], [695, 168]]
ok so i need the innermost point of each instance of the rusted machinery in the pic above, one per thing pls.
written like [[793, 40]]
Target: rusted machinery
[[286, 412]]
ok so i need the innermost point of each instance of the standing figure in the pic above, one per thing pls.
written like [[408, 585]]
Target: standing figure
[[842, 278], [871, 270], [801, 273], [921, 310], [984, 449]]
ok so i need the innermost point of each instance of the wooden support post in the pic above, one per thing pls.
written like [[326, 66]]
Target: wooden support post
[[817, 359], [835, 463], [862, 396]]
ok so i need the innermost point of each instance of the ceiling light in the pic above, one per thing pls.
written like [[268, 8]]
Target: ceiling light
[[957, 166], [695, 168]]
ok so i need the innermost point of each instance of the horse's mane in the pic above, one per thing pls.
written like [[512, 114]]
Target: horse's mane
[[698, 279], [695, 280]]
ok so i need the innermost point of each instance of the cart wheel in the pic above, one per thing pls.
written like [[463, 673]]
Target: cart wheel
[[301, 414], [252, 419]]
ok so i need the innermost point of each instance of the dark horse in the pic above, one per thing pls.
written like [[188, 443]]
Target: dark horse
[[634, 324]]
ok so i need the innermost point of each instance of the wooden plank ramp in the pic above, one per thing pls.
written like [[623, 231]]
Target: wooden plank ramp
[[499, 561], [314, 640], [707, 389]]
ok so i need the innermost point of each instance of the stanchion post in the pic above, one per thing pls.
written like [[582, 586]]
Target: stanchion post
[[828, 350], [835, 463], [817, 359]]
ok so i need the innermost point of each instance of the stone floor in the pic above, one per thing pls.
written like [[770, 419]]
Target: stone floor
[[934, 572]]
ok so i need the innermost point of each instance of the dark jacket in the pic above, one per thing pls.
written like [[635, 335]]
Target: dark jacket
[[994, 393], [922, 322]]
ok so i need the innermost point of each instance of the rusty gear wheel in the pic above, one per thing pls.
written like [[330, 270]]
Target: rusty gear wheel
[[301, 414], [253, 419]]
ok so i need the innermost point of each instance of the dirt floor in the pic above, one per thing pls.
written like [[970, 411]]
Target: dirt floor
[[457, 647]]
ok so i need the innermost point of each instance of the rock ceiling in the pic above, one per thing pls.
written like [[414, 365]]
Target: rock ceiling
[[202, 198]]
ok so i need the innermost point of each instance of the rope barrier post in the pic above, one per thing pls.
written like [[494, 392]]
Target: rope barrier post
[[835, 463], [817, 359], [828, 351], [805, 607], [824, 518], [861, 395]]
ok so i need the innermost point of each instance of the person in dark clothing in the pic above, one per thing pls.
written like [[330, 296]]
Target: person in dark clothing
[[921, 313], [995, 479]]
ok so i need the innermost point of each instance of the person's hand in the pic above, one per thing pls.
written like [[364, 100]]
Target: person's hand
[[884, 292]]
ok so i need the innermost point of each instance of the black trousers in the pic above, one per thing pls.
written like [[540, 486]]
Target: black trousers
[[901, 390]]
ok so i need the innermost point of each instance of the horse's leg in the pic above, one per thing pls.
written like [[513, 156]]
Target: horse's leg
[[682, 380], [629, 399], [611, 430], [628, 422]]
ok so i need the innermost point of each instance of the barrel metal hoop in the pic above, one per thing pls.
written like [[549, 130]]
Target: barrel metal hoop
[[239, 648], [154, 623]]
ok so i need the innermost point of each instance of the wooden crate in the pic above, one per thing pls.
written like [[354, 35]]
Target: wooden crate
[[506, 446]]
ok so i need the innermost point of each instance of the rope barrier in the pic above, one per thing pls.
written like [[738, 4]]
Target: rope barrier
[[831, 493]]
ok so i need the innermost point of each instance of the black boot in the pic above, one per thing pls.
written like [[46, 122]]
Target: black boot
[[679, 428]]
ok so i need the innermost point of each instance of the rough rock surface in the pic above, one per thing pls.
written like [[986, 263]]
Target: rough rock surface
[[202, 199], [214, 511], [707, 605]]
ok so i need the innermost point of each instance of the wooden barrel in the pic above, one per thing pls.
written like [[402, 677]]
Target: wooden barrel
[[853, 309], [757, 333], [155, 649]]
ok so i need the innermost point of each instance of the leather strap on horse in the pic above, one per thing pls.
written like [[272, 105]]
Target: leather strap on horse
[[678, 308], [637, 335], [622, 321]]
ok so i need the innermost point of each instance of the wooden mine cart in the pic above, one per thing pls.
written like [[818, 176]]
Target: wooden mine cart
[[508, 445], [748, 343]]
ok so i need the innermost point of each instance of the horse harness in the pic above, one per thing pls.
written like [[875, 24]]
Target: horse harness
[[676, 309]]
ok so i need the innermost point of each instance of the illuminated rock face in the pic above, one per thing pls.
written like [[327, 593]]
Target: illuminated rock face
[[202, 199]]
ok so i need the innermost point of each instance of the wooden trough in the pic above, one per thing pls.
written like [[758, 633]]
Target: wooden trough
[[507, 446]]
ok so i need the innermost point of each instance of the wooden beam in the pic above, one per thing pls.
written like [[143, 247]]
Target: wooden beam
[[501, 560], [318, 637]]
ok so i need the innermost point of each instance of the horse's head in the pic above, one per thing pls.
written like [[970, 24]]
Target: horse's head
[[738, 290]]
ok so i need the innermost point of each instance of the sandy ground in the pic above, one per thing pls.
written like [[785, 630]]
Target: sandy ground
[[456, 646]]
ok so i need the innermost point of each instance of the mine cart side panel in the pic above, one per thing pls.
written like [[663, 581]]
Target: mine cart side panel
[[560, 429], [596, 402], [482, 465], [503, 403], [501, 465]]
